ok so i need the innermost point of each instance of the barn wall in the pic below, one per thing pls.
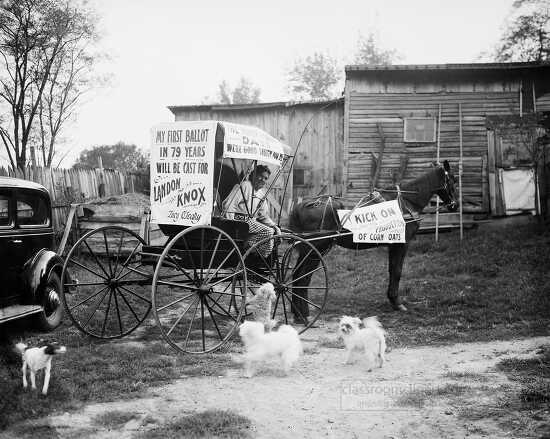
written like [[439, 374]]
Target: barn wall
[[371, 114], [320, 153]]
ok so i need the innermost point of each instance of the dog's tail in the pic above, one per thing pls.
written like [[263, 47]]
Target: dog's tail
[[373, 323], [20, 347]]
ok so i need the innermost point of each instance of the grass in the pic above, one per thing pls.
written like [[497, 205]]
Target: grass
[[206, 424], [114, 419], [419, 397], [492, 285], [93, 371]]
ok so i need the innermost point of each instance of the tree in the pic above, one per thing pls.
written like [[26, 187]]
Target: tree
[[121, 156], [527, 34], [244, 93], [45, 50], [369, 53], [314, 77]]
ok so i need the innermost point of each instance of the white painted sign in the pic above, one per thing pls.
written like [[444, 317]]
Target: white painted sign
[[182, 172], [381, 223], [246, 142]]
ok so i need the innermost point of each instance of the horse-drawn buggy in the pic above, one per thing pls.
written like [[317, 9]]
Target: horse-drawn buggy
[[209, 187]]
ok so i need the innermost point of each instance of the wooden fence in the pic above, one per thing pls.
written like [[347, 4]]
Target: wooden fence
[[68, 186]]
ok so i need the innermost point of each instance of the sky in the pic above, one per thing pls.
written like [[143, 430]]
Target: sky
[[176, 52]]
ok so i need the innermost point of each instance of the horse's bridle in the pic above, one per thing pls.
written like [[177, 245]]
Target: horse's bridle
[[452, 203]]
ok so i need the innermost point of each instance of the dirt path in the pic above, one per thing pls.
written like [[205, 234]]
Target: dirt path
[[324, 398]]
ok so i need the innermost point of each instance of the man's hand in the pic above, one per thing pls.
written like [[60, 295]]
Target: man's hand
[[277, 230]]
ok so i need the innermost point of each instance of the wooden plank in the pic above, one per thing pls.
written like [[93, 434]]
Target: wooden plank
[[66, 232]]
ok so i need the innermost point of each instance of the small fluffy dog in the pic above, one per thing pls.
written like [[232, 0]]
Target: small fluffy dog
[[283, 345], [261, 305], [366, 336], [37, 359]]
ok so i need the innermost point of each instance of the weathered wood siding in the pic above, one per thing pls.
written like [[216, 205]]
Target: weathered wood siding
[[369, 114], [320, 153]]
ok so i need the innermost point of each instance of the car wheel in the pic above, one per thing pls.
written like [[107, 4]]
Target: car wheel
[[50, 317]]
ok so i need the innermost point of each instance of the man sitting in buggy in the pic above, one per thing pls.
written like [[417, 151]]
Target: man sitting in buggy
[[246, 202]]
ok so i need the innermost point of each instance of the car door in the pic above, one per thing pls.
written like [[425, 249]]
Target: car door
[[33, 226], [8, 272]]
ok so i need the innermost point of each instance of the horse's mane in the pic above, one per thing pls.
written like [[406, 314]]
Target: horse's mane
[[417, 192]]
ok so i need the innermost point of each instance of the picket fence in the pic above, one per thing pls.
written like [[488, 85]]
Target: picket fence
[[68, 186]]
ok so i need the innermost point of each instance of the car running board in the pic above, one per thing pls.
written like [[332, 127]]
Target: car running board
[[17, 311]]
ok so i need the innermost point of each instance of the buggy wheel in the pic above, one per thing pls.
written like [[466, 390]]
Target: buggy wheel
[[297, 271], [105, 287], [199, 289]]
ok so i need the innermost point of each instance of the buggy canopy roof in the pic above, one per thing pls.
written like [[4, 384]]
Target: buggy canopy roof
[[248, 142]]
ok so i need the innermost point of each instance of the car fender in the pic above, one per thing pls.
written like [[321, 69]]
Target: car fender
[[37, 271]]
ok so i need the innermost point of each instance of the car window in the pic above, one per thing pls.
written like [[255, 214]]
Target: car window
[[32, 211], [4, 212]]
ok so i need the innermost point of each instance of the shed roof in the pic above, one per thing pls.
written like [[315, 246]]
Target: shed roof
[[469, 66], [233, 107]]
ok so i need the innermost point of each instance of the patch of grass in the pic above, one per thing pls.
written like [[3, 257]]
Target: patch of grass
[[114, 419], [523, 407], [419, 397], [490, 286], [206, 424], [466, 375], [92, 371]]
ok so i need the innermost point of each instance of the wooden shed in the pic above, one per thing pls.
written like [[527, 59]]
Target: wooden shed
[[316, 125], [403, 114]]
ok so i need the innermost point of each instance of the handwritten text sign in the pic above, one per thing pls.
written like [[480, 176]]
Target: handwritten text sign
[[182, 159], [245, 142], [378, 223]]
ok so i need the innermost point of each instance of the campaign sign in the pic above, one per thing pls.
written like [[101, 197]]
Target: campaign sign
[[182, 172], [246, 142], [380, 223]]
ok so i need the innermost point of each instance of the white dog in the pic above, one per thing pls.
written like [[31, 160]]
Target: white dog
[[283, 345], [365, 336], [37, 359], [261, 305]]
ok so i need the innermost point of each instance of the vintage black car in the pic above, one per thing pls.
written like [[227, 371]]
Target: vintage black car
[[30, 270]]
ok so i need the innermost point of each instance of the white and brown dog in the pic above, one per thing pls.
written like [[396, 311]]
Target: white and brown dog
[[261, 304], [36, 359], [366, 336]]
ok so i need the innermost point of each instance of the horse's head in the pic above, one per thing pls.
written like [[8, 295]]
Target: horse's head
[[446, 190]]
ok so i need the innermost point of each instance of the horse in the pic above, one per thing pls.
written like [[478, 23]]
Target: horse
[[318, 220]]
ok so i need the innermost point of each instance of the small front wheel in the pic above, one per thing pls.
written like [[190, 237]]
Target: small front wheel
[[298, 272]]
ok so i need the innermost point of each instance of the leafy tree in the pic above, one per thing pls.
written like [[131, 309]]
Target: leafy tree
[[368, 52], [244, 93], [314, 77], [46, 57], [527, 34], [121, 156]]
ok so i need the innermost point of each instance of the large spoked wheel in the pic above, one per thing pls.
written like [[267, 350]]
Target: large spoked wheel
[[105, 287], [297, 271], [199, 290]]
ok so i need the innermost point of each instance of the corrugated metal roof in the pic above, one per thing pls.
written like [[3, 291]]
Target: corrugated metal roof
[[232, 107], [471, 66]]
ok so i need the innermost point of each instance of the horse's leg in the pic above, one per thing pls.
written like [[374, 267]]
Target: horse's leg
[[300, 308], [396, 257]]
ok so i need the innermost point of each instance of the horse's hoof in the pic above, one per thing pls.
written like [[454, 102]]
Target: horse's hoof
[[399, 307]]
